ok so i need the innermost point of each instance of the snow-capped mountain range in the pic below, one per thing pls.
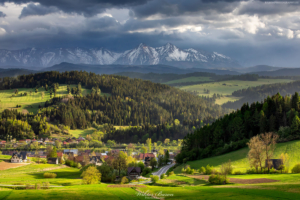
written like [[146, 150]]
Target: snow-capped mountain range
[[142, 55]]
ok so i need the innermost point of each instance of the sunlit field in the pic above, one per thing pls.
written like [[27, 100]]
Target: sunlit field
[[31, 102], [226, 88]]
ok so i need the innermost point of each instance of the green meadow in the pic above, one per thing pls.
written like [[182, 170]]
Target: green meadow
[[173, 187], [226, 88], [240, 161], [81, 133], [31, 102], [190, 79]]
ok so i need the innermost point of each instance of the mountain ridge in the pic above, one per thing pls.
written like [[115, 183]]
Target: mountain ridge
[[141, 55]]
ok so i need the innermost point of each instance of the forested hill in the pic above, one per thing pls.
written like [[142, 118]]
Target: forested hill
[[259, 93], [130, 101], [231, 132]]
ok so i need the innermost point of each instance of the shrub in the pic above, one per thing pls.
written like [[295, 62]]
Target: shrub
[[202, 170], [188, 170], [162, 176], [28, 186], [208, 170], [124, 180], [281, 168], [49, 175], [79, 165], [46, 185], [91, 175], [37, 186], [296, 168], [192, 171], [146, 171], [154, 178], [182, 170], [238, 173], [86, 166], [170, 173], [44, 161], [217, 179]]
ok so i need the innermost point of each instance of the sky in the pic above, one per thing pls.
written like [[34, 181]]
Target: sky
[[252, 31]]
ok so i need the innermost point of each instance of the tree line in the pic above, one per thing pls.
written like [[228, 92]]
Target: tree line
[[233, 131]]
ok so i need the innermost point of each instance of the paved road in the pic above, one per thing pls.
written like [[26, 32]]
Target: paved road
[[163, 170]]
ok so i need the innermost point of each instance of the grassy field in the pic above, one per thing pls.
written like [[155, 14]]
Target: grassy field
[[227, 87], [173, 187], [190, 79], [33, 173], [239, 158], [82, 133], [30, 103]]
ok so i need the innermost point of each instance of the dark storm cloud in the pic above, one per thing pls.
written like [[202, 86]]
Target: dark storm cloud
[[183, 7], [85, 7], [269, 7], [37, 10], [2, 14]]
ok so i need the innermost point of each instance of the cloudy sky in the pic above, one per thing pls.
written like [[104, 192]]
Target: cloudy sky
[[252, 32]]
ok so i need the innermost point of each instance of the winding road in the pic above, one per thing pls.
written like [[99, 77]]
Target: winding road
[[163, 170]]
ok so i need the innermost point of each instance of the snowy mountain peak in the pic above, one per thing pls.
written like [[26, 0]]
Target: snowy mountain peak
[[141, 55]]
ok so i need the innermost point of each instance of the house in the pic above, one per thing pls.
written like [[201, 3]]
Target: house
[[147, 161], [74, 151], [142, 156], [133, 172], [52, 161], [28, 141], [96, 160], [274, 163], [18, 158]]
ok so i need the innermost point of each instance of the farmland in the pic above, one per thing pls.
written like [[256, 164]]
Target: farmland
[[227, 87]]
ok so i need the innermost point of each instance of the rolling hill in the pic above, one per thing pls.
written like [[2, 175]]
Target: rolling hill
[[240, 161]]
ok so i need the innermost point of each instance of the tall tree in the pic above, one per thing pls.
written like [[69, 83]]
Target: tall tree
[[119, 162], [256, 153], [269, 141]]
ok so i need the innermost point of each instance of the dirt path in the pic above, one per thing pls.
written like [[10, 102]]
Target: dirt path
[[238, 180], [8, 165]]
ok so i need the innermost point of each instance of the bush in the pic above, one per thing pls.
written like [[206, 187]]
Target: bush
[[192, 171], [202, 170], [91, 175], [37, 186], [238, 173], [86, 166], [46, 185], [124, 180], [183, 170], [44, 161], [28, 186], [296, 168], [162, 176], [188, 170], [217, 179], [281, 168], [146, 171], [49, 175], [79, 165], [170, 173], [154, 178], [208, 170]]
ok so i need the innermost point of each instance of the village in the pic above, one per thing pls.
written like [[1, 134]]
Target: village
[[55, 151]]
